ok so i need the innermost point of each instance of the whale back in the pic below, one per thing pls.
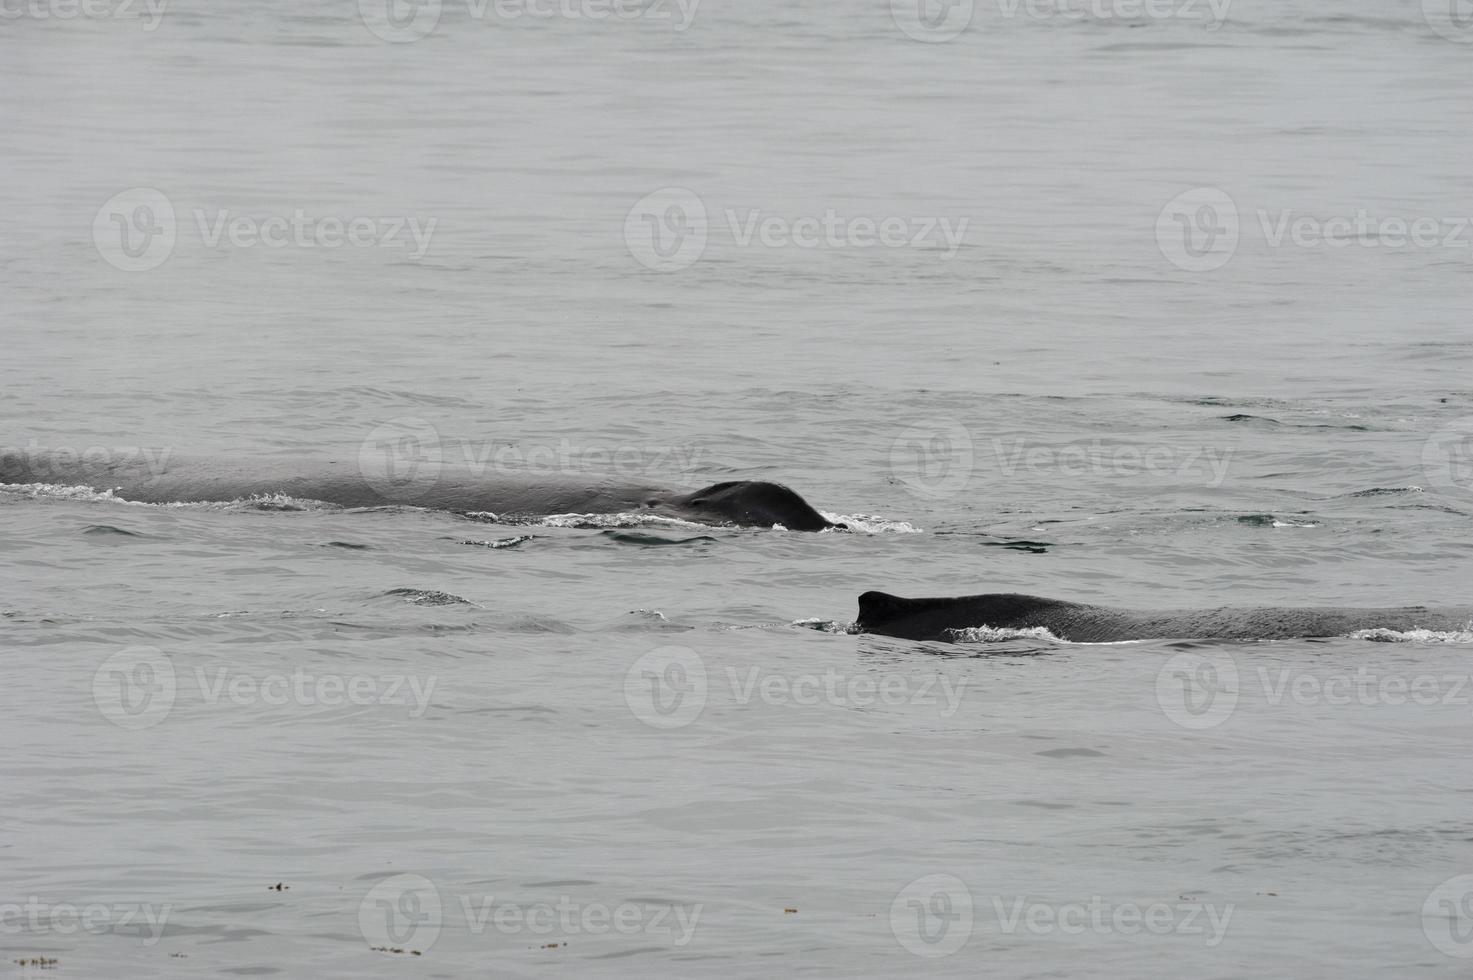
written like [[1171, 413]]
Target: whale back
[[941, 618], [752, 503]]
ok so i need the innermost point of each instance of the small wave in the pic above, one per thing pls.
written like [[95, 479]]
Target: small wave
[[1269, 520], [1382, 635], [429, 597], [108, 529], [871, 524], [1379, 491], [624, 536]]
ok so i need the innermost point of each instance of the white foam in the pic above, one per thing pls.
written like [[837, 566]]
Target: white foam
[[826, 626], [511, 542], [615, 520], [871, 524], [59, 491], [264, 501], [993, 634], [1381, 635]]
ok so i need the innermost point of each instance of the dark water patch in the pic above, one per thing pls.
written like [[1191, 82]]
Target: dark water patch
[[1028, 547], [428, 597], [650, 538], [624, 953], [1266, 421], [536, 625], [1131, 46], [382, 630], [1258, 520], [110, 530], [1381, 491], [348, 545]]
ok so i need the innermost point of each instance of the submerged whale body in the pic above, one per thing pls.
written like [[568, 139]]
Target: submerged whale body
[[170, 478], [943, 618]]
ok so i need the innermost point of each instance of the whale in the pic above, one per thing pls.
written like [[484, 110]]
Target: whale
[[355, 482], [946, 619]]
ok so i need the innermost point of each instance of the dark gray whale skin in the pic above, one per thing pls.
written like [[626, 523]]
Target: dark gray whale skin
[[936, 619], [172, 478]]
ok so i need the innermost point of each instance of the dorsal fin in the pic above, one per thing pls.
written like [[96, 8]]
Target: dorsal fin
[[877, 607]]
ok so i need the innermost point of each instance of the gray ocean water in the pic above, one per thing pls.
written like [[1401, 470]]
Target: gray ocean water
[[1153, 304]]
